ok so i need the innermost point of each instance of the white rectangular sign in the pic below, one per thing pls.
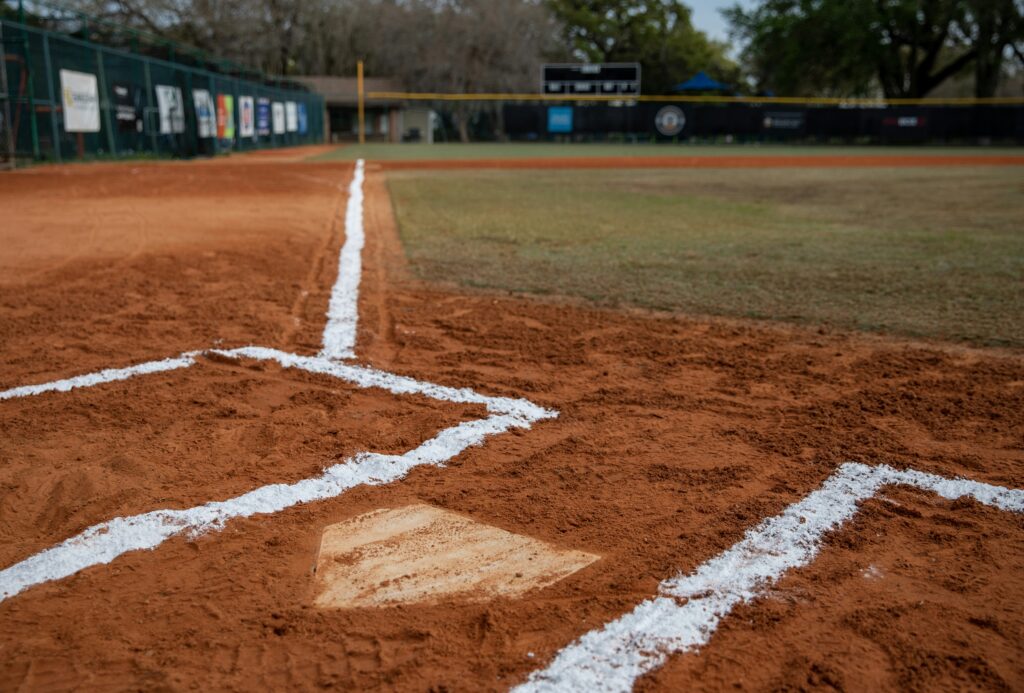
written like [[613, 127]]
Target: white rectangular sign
[[81, 97], [246, 116], [291, 112], [172, 109], [206, 113], [278, 112]]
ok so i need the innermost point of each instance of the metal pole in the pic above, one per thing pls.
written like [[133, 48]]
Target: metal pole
[[236, 115], [191, 129], [33, 126], [54, 130], [149, 108], [6, 96], [361, 100], [105, 103]]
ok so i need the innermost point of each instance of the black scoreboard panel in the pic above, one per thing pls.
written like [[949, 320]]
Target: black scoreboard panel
[[591, 79]]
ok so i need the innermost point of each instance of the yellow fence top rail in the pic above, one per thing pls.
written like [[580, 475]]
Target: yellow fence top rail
[[780, 100]]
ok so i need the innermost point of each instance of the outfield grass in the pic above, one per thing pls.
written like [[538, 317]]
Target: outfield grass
[[921, 252], [515, 150]]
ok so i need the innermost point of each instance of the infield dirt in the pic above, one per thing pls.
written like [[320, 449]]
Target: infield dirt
[[674, 437]]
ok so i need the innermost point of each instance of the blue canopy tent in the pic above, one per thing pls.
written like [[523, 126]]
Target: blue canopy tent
[[701, 82]]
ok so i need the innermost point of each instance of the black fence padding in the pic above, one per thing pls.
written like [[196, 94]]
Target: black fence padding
[[885, 124]]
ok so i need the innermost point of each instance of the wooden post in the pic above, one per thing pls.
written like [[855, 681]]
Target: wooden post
[[361, 99]]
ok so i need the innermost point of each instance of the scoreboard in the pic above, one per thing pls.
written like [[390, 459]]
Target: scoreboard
[[591, 79]]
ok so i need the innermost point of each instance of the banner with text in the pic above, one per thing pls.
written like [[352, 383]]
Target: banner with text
[[81, 101]]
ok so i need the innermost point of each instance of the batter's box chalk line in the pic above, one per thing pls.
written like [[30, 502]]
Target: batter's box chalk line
[[688, 609], [682, 617], [104, 542]]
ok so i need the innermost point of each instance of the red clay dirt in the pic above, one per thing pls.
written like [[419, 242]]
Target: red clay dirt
[[726, 161], [675, 435]]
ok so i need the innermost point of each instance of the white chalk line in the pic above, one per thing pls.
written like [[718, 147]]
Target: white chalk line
[[360, 376], [609, 659], [365, 376], [339, 341], [689, 608], [108, 375], [102, 543]]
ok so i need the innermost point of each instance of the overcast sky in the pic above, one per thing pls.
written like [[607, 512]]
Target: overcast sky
[[707, 19]]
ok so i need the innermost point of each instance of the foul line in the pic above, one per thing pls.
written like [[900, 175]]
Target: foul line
[[689, 608], [109, 375], [343, 310]]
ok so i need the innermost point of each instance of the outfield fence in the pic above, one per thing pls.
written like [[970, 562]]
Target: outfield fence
[[569, 118], [68, 98]]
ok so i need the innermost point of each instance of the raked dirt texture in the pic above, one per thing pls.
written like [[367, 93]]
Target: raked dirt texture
[[676, 439]]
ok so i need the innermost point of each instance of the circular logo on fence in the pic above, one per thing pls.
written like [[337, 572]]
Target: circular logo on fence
[[670, 121]]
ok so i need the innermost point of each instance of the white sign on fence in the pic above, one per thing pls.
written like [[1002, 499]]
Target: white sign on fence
[[246, 116], [278, 111], [206, 114], [172, 109], [291, 113], [81, 97]]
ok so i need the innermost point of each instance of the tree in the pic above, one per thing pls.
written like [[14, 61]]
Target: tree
[[905, 48], [995, 28], [656, 33], [804, 47], [249, 32]]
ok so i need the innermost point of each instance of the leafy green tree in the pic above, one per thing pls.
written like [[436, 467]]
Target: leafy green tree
[[905, 48], [995, 30], [656, 33], [806, 47]]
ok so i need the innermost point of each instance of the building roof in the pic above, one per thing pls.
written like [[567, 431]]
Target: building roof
[[341, 91]]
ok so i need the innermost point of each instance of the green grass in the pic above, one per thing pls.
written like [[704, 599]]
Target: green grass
[[395, 152], [935, 253]]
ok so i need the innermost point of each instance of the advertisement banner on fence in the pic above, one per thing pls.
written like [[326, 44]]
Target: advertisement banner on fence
[[127, 107], [171, 108], [206, 116], [784, 120], [246, 117], [560, 119], [291, 116], [81, 98], [303, 119], [278, 118], [263, 117], [225, 117]]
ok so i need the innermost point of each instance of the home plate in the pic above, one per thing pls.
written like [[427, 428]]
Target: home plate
[[422, 554]]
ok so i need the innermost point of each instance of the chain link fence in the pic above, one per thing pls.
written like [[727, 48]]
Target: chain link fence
[[69, 98], [6, 136]]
